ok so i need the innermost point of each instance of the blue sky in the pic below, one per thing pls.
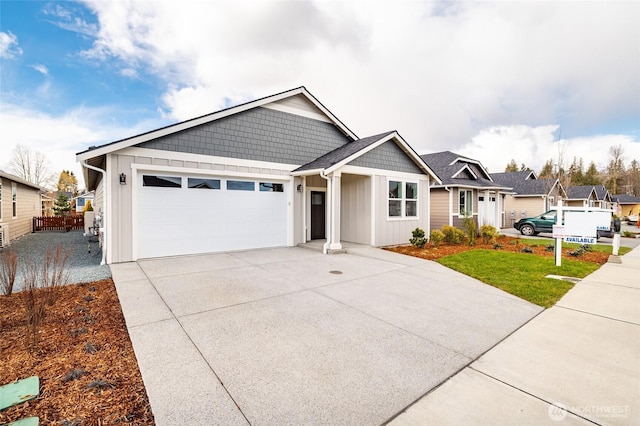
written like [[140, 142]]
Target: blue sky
[[530, 81]]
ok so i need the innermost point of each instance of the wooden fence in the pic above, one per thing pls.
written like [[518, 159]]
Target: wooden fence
[[58, 223]]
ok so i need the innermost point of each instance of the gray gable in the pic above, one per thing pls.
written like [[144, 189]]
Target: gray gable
[[440, 163], [580, 192], [259, 134], [388, 156]]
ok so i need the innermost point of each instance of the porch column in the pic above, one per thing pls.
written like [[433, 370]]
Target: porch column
[[487, 201], [334, 212], [498, 210]]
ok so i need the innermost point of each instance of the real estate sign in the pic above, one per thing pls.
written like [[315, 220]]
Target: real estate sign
[[586, 224]]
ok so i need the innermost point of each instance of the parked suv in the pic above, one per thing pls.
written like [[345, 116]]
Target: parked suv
[[535, 225], [544, 223]]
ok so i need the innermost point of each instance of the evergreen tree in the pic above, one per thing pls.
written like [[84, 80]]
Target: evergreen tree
[[61, 205], [547, 170], [591, 176]]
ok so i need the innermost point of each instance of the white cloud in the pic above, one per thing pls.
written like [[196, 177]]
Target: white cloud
[[495, 147], [492, 80], [42, 69], [439, 73], [9, 48], [59, 138]]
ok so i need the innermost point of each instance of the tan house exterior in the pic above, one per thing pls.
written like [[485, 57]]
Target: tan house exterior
[[627, 205], [278, 171], [530, 196], [467, 189], [19, 203]]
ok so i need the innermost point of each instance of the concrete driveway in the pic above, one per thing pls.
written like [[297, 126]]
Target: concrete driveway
[[291, 336]]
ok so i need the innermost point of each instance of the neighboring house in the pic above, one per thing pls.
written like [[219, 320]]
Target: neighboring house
[[466, 189], [628, 205], [277, 171], [19, 203], [47, 201], [603, 197], [582, 196], [530, 196], [81, 200]]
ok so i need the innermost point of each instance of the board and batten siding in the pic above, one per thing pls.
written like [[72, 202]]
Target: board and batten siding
[[439, 208], [355, 209], [398, 231]]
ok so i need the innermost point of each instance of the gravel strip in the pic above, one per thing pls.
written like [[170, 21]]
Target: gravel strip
[[84, 262]]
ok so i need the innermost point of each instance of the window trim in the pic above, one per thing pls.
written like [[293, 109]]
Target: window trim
[[467, 199], [403, 199], [14, 200]]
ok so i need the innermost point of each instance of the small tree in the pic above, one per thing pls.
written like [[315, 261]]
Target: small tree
[[418, 239], [469, 225], [61, 205]]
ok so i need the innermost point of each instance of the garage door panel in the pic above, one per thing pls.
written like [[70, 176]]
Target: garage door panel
[[174, 221]]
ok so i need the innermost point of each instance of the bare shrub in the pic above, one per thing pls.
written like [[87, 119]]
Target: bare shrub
[[40, 280], [34, 302], [8, 270]]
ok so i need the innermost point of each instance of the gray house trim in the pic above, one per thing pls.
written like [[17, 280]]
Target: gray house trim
[[257, 134], [387, 156]]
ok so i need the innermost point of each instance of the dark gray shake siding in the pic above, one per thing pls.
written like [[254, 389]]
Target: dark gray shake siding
[[259, 134], [387, 156]]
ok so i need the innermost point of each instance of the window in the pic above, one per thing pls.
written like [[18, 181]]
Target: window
[[240, 185], [466, 203], [403, 199], [80, 202], [14, 199], [204, 183], [162, 181], [271, 187]]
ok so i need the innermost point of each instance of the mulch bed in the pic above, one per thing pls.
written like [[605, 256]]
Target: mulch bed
[[87, 368], [507, 244]]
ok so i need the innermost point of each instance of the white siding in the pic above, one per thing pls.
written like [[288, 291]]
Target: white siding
[[355, 209]]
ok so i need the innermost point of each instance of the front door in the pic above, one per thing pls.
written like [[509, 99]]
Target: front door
[[318, 226]]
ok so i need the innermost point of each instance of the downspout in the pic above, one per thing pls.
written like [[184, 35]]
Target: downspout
[[328, 217], [103, 230]]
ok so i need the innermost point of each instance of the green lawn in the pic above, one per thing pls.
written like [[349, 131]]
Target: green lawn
[[605, 248], [520, 274]]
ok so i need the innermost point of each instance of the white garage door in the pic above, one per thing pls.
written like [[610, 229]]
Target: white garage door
[[186, 214]]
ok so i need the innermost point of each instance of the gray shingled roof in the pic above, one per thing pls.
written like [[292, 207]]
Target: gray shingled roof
[[601, 192], [342, 153], [523, 186], [512, 179], [580, 192], [625, 199], [440, 163]]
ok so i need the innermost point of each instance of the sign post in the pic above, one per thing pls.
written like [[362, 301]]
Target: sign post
[[559, 235]]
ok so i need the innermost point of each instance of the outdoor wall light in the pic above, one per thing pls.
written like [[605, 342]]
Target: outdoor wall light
[[123, 179], [299, 188]]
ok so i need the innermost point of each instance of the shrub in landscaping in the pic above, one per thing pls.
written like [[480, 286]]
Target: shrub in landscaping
[[436, 237], [418, 239], [469, 226], [488, 233], [527, 250], [497, 246], [628, 234], [452, 235], [8, 270], [550, 247]]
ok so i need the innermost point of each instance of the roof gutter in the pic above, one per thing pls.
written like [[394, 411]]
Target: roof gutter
[[103, 229]]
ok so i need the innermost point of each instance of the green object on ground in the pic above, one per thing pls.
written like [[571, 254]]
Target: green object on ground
[[19, 392], [29, 421]]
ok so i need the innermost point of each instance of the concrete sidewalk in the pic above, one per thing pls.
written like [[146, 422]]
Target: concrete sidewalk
[[578, 363]]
